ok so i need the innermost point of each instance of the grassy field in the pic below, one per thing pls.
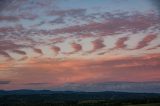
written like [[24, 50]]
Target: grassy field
[[49, 98], [152, 104]]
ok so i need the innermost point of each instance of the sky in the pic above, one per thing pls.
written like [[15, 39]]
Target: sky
[[80, 45]]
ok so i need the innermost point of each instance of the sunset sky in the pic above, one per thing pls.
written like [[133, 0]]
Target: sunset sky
[[80, 45]]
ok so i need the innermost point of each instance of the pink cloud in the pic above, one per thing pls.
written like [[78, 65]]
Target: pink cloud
[[86, 35], [8, 45], [28, 16], [56, 49], [97, 44], [5, 54], [155, 47], [59, 20], [23, 58], [59, 72], [9, 18], [58, 39], [77, 47], [19, 52], [121, 43], [133, 23], [39, 51], [69, 12], [146, 40]]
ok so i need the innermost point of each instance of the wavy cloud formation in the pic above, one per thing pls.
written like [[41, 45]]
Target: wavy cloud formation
[[97, 44], [56, 49], [146, 40], [38, 50], [120, 44], [19, 52], [5, 54], [90, 40], [77, 47], [9, 18]]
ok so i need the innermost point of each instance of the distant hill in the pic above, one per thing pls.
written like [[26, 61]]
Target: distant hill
[[73, 95], [72, 98], [25, 92], [31, 92]]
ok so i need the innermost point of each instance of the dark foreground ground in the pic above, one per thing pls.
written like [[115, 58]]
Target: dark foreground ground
[[67, 98]]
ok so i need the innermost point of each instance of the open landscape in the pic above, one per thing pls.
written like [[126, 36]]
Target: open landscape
[[79, 52], [71, 98]]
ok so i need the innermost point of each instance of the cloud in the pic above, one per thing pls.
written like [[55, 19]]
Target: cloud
[[59, 72], [56, 49], [4, 82], [5, 54], [97, 44], [9, 45], [52, 26], [9, 18], [121, 43], [146, 40], [59, 20], [23, 58], [118, 23], [77, 47], [62, 14], [19, 52], [28, 16], [58, 39], [38, 50], [155, 47], [37, 83], [86, 35], [76, 13]]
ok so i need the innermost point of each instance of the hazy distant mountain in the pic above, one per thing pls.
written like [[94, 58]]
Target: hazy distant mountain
[[24, 92], [65, 94]]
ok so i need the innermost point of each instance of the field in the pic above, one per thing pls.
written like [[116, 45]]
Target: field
[[150, 104], [67, 98]]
